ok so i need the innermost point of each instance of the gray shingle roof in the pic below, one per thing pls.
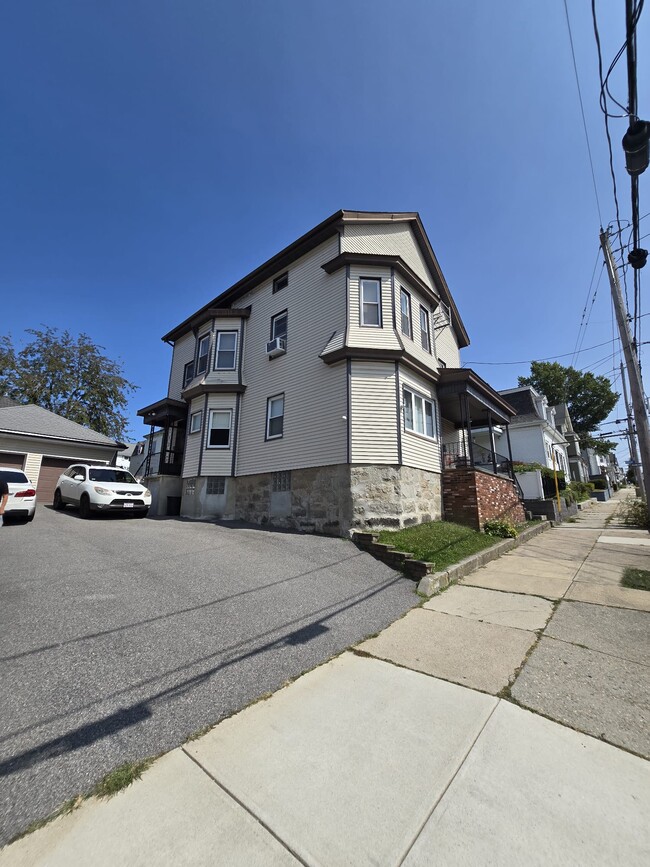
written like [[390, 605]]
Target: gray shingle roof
[[523, 402], [33, 420]]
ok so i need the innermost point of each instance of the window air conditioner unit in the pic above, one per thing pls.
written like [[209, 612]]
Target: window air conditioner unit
[[276, 347]]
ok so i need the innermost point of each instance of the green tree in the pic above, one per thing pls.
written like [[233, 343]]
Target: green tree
[[69, 376], [590, 398]]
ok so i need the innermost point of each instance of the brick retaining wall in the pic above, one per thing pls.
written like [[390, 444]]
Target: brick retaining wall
[[472, 497]]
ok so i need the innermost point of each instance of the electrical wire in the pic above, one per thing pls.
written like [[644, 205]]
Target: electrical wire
[[550, 357], [582, 112], [584, 309]]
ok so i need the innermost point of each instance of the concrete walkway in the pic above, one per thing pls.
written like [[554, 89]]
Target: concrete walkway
[[419, 747]]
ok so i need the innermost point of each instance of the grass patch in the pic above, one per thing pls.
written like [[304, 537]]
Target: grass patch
[[439, 542], [121, 777], [637, 579]]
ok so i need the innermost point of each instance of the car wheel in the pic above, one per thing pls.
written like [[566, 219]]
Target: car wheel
[[31, 517], [58, 503], [84, 507]]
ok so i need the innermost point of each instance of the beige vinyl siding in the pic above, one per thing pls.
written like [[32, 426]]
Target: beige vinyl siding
[[218, 462], [413, 347], [315, 432], [193, 440], [183, 352], [57, 449], [373, 413], [446, 344], [387, 239], [417, 450], [224, 376], [32, 466], [371, 335]]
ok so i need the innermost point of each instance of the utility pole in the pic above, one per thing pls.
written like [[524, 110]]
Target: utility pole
[[631, 435], [632, 364]]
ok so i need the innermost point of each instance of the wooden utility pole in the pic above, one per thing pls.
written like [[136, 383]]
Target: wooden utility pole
[[631, 435], [631, 363]]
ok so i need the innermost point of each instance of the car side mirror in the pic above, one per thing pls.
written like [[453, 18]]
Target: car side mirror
[[78, 478]]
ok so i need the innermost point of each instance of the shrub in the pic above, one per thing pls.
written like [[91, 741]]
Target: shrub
[[503, 529], [600, 484], [635, 514], [581, 490]]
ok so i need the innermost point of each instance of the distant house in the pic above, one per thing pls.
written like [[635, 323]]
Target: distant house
[[324, 391], [43, 444], [534, 434], [578, 466]]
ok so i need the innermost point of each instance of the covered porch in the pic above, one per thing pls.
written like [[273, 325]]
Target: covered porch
[[171, 417], [479, 483], [470, 405]]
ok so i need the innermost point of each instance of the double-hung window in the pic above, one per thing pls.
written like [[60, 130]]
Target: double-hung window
[[280, 326], [419, 414], [275, 417], [280, 283], [225, 357], [219, 429], [405, 310], [195, 421], [370, 302], [203, 353], [425, 329], [188, 373]]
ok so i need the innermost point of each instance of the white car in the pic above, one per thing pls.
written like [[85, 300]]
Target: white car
[[101, 489], [22, 494]]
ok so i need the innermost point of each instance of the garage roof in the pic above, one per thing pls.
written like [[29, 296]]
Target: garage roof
[[34, 421]]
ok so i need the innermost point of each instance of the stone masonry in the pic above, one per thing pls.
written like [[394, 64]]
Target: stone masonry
[[472, 497], [392, 497]]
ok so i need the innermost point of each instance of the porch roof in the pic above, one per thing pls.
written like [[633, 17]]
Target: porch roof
[[163, 411], [481, 397]]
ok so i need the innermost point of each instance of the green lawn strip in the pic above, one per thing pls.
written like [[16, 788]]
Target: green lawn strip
[[638, 579], [439, 542]]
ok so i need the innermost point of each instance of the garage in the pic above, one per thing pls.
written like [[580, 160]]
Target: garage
[[51, 469], [15, 461]]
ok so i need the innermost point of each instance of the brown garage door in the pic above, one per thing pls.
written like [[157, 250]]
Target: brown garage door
[[8, 459], [51, 469]]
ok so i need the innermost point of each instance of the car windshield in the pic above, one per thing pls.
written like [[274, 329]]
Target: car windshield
[[111, 475], [13, 476]]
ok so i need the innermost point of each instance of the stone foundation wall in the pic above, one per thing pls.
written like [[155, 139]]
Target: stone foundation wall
[[330, 500], [472, 497], [318, 502], [392, 497]]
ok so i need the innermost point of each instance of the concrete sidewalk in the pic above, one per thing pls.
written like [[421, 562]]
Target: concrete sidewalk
[[418, 747]]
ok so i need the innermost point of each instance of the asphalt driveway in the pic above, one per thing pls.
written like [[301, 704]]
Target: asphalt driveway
[[120, 637]]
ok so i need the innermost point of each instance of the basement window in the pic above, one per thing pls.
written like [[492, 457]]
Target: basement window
[[216, 485], [281, 481], [190, 486]]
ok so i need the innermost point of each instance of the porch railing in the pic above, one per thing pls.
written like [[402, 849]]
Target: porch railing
[[459, 455]]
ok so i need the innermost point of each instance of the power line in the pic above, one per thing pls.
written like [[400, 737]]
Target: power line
[[582, 112], [550, 357]]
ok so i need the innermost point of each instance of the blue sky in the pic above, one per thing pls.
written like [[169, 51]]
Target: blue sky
[[154, 152]]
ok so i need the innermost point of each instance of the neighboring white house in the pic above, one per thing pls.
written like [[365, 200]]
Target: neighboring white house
[[534, 434], [317, 392], [577, 465], [44, 444]]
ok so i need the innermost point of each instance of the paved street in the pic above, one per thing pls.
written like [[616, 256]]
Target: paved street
[[119, 638]]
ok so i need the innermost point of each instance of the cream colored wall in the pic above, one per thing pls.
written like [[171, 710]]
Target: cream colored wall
[[373, 413], [315, 430], [183, 353], [418, 450]]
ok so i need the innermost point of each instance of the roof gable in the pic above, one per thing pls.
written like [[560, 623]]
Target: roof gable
[[32, 420]]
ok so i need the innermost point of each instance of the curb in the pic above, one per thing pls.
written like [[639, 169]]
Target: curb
[[431, 582]]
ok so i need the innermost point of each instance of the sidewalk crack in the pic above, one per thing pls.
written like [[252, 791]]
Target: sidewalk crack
[[248, 810], [447, 787]]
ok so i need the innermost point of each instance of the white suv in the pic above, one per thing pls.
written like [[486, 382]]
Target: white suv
[[101, 489], [22, 494]]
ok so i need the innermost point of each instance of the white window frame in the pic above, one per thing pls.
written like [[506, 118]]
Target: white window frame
[[281, 282], [199, 356], [196, 428], [214, 412], [283, 314], [409, 396], [363, 303], [269, 404], [405, 315], [220, 334], [425, 332]]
